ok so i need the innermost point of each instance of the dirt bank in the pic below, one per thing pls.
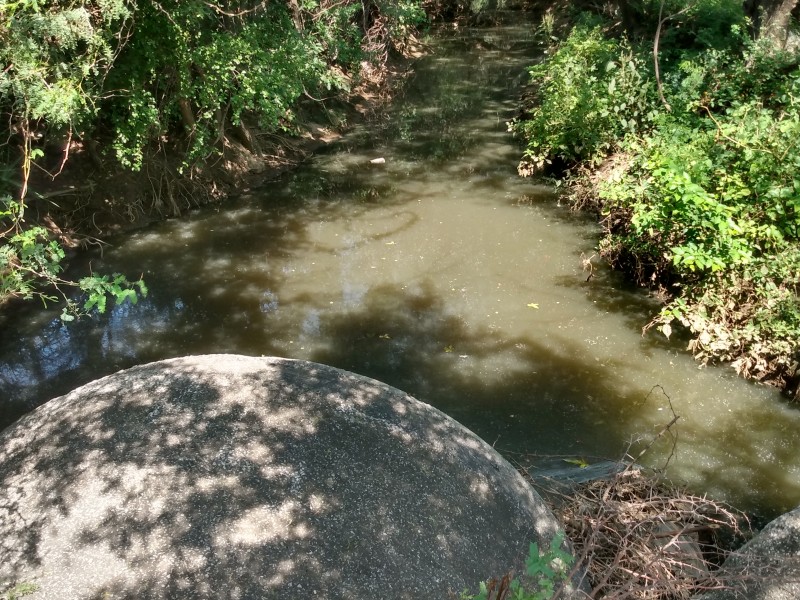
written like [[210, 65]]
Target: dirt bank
[[83, 196]]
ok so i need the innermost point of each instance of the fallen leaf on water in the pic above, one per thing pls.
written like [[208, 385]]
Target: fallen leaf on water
[[385, 336], [390, 243], [533, 305], [580, 462]]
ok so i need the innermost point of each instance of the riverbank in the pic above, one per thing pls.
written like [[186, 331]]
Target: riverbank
[[679, 130], [156, 110], [95, 197], [439, 272]]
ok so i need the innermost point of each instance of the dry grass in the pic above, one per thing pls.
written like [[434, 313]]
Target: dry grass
[[641, 538]]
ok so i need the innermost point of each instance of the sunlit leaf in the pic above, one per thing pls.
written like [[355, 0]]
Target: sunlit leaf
[[580, 462]]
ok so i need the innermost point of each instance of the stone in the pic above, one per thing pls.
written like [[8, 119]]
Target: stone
[[226, 476], [765, 568]]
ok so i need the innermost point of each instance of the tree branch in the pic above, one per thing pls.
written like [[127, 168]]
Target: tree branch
[[661, 21]]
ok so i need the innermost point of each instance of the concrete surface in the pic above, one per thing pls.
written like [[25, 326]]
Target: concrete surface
[[765, 568], [234, 477]]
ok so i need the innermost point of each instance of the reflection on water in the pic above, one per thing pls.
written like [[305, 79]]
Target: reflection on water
[[439, 272]]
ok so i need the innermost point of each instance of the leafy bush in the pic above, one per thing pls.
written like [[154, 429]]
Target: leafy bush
[[57, 58], [591, 92], [152, 70], [749, 316], [702, 196], [715, 191], [402, 18], [687, 26], [31, 264], [548, 569], [714, 199], [200, 71]]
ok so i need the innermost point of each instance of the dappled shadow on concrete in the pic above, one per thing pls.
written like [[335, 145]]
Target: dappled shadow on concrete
[[235, 477]]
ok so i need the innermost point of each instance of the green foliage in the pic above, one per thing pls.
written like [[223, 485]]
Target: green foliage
[[57, 57], [336, 33], [27, 257], [703, 196], [714, 199], [748, 315], [19, 590], [547, 569], [98, 288], [31, 266], [403, 16], [201, 71], [673, 205], [183, 70], [591, 92], [710, 192], [688, 26]]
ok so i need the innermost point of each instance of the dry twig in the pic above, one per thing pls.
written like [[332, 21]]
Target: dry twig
[[640, 537]]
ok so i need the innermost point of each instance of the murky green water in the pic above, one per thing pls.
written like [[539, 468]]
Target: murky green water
[[439, 272]]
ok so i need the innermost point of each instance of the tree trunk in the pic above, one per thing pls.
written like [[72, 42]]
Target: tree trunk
[[771, 19], [187, 115], [297, 15]]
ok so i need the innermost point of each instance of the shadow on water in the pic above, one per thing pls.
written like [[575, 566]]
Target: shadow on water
[[612, 293], [221, 303], [196, 487], [511, 391]]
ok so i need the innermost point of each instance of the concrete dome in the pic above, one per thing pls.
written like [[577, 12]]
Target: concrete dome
[[227, 476]]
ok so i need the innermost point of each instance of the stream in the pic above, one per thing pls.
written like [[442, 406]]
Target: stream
[[438, 271]]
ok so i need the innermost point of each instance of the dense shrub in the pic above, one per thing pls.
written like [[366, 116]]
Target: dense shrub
[[706, 202], [218, 69], [148, 69], [591, 93], [131, 77]]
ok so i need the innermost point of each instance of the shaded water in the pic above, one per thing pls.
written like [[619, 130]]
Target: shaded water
[[439, 272]]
